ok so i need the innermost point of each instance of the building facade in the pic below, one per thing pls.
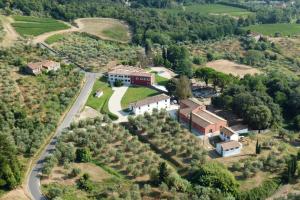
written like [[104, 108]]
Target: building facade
[[131, 75], [158, 102], [229, 148], [191, 111], [227, 134]]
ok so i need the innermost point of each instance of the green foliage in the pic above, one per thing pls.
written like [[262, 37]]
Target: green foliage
[[216, 176], [83, 155], [118, 83], [117, 32], [36, 26], [10, 171], [75, 172], [266, 189]]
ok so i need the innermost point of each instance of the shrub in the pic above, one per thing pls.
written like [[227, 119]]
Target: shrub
[[75, 172], [118, 83]]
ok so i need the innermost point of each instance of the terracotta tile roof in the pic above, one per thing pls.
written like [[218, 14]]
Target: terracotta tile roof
[[129, 70], [213, 118], [35, 65], [201, 121], [192, 103], [227, 131], [150, 100], [48, 63], [229, 145]]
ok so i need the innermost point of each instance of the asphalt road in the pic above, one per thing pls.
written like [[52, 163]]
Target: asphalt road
[[34, 179]]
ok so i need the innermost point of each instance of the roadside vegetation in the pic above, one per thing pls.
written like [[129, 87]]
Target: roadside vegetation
[[34, 26], [136, 93]]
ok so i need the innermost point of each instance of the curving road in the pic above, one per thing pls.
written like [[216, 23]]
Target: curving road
[[33, 183]]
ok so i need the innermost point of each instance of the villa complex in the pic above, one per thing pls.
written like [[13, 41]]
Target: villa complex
[[131, 75]]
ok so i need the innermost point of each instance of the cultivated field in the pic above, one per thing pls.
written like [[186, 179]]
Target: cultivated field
[[272, 29], [105, 28], [212, 9], [33, 26], [229, 67]]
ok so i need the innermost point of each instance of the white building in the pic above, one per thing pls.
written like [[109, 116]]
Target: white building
[[227, 134], [131, 75], [158, 102], [98, 94], [229, 148]]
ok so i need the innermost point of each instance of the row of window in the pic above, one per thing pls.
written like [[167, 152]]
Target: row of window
[[231, 149]]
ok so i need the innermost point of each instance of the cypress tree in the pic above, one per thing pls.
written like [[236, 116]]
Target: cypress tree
[[258, 148], [190, 124]]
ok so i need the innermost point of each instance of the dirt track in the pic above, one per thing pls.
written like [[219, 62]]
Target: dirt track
[[11, 35]]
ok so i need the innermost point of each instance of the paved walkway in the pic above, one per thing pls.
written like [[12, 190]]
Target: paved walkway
[[114, 103]]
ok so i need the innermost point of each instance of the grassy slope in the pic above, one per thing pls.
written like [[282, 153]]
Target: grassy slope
[[161, 80], [271, 29], [118, 32], [212, 9], [54, 38], [34, 26], [136, 93]]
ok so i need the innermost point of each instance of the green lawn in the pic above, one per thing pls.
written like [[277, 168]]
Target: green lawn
[[271, 29], [117, 32], [136, 93], [101, 104], [35, 26], [161, 80], [211, 9], [54, 38]]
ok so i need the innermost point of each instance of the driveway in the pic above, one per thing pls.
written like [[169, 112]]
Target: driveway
[[164, 72], [114, 103], [34, 178]]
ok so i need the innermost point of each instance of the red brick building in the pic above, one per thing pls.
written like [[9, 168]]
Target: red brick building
[[131, 75], [193, 112]]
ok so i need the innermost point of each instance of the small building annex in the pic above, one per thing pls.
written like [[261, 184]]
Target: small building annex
[[193, 112], [229, 148], [158, 102], [131, 75], [227, 134]]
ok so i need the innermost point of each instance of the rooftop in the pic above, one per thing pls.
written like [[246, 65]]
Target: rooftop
[[230, 145], [129, 70], [150, 100], [228, 131], [44, 63]]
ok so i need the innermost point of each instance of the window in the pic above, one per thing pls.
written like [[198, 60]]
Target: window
[[210, 130], [166, 101]]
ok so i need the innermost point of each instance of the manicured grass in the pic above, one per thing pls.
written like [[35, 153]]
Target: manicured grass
[[34, 26], [136, 93], [271, 29], [54, 38], [101, 104], [211, 9], [161, 80], [117, 32]]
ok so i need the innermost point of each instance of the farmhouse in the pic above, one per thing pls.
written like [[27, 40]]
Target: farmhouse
[[229, 148], [38, 67], [131, 75], [191, 111], [158, 102], [227, 134]]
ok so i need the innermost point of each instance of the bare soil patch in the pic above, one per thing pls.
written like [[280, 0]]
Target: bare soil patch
[[98, 26], [17, 194], [229, 67], [60, 175], [88, 113]]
